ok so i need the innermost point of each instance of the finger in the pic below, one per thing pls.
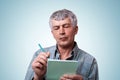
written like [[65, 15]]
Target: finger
[[36, 65], [77, 77], [68, 76], [42, 56], [73, 76], [48, 54], [40, 61], [62, 78], [43, 62]]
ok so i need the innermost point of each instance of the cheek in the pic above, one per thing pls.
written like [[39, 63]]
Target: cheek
[[71, 36], [71, 33], [54, 35]]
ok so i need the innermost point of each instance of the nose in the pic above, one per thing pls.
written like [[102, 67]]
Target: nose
[[61, 30]]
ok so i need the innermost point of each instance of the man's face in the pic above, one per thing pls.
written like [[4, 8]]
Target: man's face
[[64, 32]]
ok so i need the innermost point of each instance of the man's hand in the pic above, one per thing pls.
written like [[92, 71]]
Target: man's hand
[[39, 65], [71, 77]]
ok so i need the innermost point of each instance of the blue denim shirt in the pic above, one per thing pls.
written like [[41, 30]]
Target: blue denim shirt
[[87, 68]]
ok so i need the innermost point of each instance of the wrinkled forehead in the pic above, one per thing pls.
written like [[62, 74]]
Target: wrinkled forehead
[[60, 22]]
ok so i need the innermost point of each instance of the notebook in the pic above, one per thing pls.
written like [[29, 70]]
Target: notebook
[[56, 68]]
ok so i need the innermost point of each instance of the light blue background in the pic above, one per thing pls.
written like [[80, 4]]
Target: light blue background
[[24, 24]]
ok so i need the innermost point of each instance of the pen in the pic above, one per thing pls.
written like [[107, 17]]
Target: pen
[[41, 48]]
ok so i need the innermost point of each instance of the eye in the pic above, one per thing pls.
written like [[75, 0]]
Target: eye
[[55, 27], [66, 25]]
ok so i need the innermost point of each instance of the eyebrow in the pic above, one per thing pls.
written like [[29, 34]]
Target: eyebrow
[[62, 24], [66, 24]]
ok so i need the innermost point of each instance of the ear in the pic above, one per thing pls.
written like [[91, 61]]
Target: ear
[[52, 31], [76, 29]]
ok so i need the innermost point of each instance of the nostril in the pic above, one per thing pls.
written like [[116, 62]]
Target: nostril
[[62, 33]]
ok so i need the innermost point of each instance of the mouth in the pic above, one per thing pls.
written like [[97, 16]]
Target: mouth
[[63, 38]]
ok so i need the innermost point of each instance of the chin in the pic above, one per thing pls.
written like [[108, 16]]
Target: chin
[[63, 44]]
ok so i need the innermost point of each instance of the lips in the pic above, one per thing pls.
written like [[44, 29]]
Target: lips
[[63, 38]]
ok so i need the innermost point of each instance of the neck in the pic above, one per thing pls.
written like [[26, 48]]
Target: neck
[[65, 51]]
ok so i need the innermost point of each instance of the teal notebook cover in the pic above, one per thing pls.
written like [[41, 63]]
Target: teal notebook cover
[[56, 68]]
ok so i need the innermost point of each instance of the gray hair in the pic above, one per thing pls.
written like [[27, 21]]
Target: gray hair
[[61, 15]]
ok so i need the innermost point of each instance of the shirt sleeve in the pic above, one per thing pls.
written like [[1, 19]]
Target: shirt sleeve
[[93, 73], [88, 69], [30, 72]]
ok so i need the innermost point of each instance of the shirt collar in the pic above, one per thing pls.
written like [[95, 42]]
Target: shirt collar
[[73, 52]]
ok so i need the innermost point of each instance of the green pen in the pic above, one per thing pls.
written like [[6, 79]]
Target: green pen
[[41, 48]]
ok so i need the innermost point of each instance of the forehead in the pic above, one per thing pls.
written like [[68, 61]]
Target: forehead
[[60, 22]]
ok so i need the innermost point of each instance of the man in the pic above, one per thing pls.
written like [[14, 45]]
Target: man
[[63, 24]]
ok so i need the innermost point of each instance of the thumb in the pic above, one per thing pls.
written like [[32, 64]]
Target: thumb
[[48, 54]]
